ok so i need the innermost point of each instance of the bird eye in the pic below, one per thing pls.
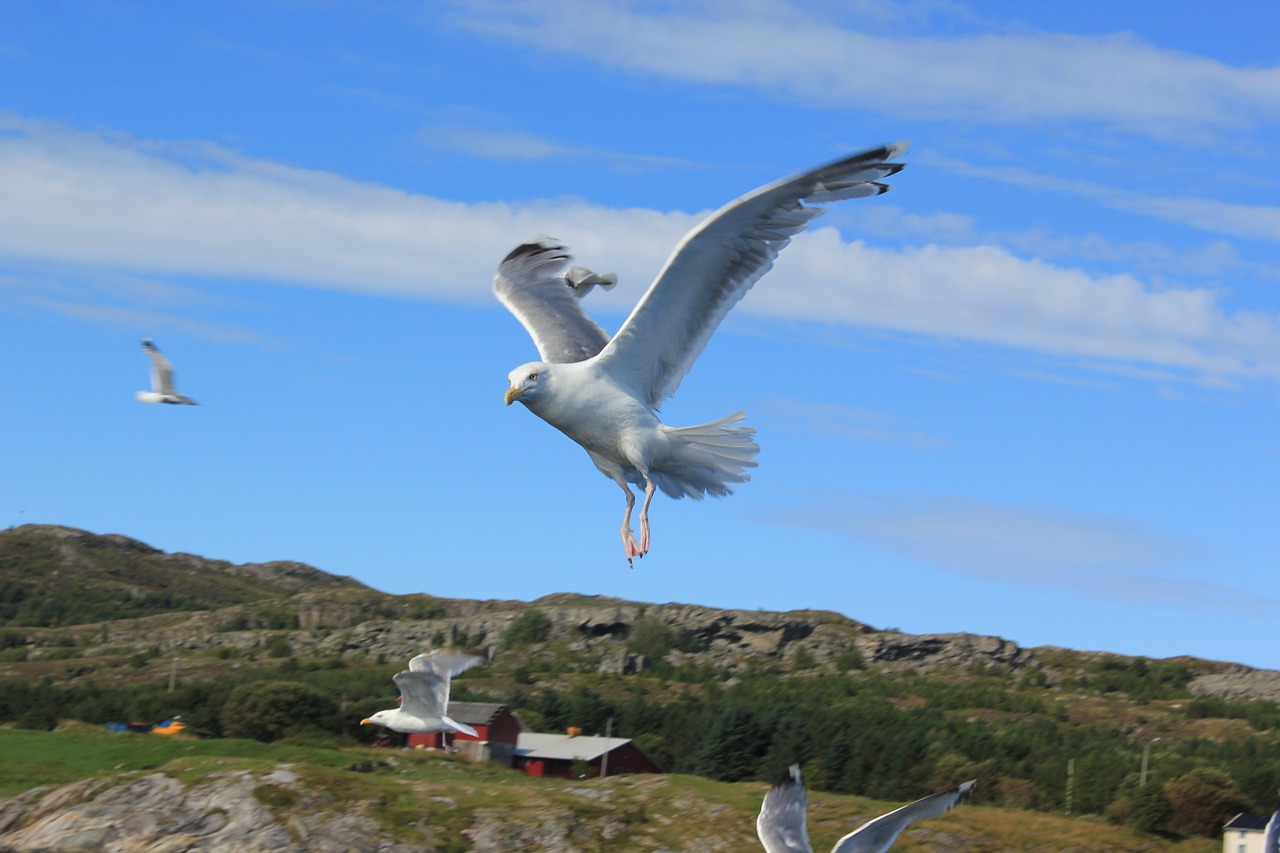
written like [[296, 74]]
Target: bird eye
[[533, 376]]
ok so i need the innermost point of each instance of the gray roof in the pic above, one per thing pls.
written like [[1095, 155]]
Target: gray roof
[[473, 713], [579, 748], [1244, 820]]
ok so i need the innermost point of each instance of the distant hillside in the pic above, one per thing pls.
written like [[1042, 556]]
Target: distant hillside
[[58, 576], [159, 794], [730, 695]]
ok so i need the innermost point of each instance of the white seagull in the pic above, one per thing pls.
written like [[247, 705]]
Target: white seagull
[[162, 390], [424, 694], [781, 825], [1271, 835], [604, 392]]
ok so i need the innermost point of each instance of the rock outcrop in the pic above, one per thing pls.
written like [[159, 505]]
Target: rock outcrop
[[158, 814]]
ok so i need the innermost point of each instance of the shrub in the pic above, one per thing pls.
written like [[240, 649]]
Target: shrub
[[1202, 800], [270, 710], [531, 626]]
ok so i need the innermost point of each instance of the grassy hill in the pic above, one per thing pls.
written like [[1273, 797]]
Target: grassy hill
[[59, 576], [430, 800], [732, 696]]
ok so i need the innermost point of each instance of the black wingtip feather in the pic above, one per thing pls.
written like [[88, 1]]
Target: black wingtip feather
[[535, 247]]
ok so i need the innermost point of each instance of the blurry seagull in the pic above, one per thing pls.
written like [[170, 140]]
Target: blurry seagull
[[1271, 835], [781, 825], [604, 392], [424, 694], [162, 390]]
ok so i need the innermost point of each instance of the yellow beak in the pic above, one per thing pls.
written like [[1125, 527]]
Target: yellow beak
[[512, 394], [366, 721]]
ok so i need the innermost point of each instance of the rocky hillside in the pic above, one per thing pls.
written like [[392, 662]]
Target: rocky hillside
[[362, 801], [53, 575], [122, 598], [726, 695]]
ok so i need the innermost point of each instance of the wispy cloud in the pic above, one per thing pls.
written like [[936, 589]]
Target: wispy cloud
[[74, 198], [141, 305], [1254, 221], [1025, 546], [496, 144], [827, 60], [1214, 258], [848, 422]]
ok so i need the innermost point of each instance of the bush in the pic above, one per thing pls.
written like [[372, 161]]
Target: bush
[[271, 710], [531, 626], [1202, 800], [1149, 809]]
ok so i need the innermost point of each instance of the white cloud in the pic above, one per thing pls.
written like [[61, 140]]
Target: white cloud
[[79, 199], [1009, 78], [1022, 545], [1255, 221], [493, 144], [848, 422]]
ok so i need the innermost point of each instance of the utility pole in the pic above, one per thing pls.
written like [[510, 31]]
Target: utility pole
[[1146, 752], [173, 673], [604, 759], [1071, 781]]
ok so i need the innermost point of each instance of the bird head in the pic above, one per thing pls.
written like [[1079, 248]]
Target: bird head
[[526, 382], [148, 345], [380, 718]]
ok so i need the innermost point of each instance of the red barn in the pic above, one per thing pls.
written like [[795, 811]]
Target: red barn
[[496, 731], [554, 755]]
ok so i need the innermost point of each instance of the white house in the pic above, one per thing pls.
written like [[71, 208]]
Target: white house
[[1245, 833]]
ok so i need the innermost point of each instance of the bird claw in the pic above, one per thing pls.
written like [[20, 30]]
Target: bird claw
[[631, 547]]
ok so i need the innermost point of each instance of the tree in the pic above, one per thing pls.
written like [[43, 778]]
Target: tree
[[651, 637], [270, 710], [1202, 800], [731, 745], [1149, 809], [531, 626]]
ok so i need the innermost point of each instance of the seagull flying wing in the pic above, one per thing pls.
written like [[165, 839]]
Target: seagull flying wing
[[718, 262], [537, 285], [426, 681], [161, 370], [878, 834], [781, 824]]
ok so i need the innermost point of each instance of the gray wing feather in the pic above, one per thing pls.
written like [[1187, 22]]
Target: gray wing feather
[[420, 693], [717, 263], [581, 280], [435, 670], [161, 373], [878, 835], [536, 285], [782, 821]]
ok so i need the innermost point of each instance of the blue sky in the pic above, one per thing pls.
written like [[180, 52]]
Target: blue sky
[[1031, 392]]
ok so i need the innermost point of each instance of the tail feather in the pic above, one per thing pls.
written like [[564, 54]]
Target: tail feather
[[706, 458], [459, 727]]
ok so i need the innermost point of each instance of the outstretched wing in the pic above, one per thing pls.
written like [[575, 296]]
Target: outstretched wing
[[536, 284], [420, 693], [782, 821], [878, 835], [718, 262], [161, 370], [435, 669]]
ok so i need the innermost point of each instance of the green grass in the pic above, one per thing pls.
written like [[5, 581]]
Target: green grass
[[410, 790], [76, 752]]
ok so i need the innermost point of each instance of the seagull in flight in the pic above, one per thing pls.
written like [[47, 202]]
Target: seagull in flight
[[604, 393], [781, 825], [424, 694], [162, 390]]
